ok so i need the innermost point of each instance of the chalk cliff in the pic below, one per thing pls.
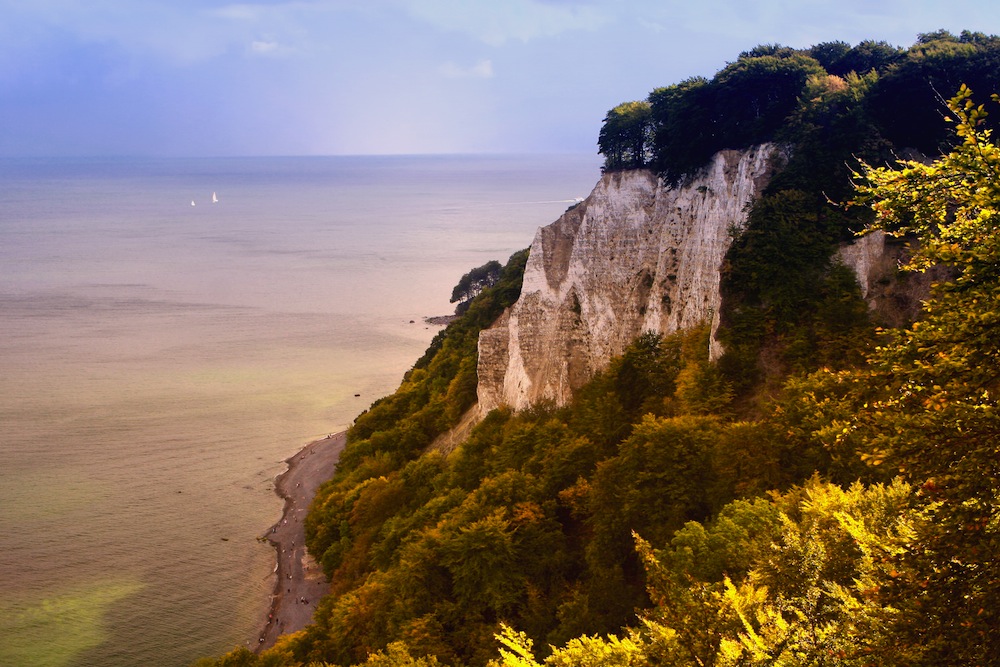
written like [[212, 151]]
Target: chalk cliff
[[894, 298], [635, 256]]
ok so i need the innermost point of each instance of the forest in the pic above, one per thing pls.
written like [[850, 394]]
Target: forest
[[824, 494]]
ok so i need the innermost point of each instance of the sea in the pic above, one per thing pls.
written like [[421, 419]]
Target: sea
[[171, 330]]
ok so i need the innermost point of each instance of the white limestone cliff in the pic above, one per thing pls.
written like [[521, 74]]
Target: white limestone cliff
[[894, 298], [635, 256], [868, 259]]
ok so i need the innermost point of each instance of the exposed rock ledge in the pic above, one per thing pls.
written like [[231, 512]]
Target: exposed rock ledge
[[635, 256]]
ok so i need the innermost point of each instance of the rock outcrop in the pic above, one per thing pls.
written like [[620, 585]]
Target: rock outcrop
[[635, 256], [894, 298]]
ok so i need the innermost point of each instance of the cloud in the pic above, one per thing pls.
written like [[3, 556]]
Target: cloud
[[238, 12], [481, 70], [262, 47], [513, 20]]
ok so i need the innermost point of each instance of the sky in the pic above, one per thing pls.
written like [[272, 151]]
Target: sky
[[335, 77]]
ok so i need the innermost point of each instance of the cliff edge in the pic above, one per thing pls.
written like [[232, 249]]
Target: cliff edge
[[635, 256]]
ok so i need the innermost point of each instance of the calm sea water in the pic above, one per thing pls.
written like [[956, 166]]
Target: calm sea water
[[159, 360]]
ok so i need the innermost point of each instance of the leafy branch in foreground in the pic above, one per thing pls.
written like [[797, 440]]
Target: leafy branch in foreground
[[937, 421]]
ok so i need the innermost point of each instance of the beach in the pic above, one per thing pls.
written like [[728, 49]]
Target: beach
[[299, 580]]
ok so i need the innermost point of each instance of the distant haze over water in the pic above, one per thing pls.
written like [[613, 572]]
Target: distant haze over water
[[159, 360]]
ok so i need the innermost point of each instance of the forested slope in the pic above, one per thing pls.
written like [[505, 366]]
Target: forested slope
[[825, 494]]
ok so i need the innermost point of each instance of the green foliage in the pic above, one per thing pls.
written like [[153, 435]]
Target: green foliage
[[700, 387], [659, 479], [787, 582], [829, 54], [760, 93], [755, 98], [744, 104], [684, 139], [924, 407], [907, 105], [367, 490], [737, 538], [473, 283], [840, 59], [625, 137], [396, 654], [585, 651], [937, 421], [482, 311]]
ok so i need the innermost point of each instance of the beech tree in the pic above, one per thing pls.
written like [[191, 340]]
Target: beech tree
[[626, 137], [473, 283]]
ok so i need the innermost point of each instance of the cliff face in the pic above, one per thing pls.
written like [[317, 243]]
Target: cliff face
[[894, 298], [635, 256]]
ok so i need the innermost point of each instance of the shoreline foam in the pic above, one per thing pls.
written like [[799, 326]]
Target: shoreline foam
[[299, 580]]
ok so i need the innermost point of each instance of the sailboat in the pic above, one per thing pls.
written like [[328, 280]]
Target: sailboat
[[215, 200]]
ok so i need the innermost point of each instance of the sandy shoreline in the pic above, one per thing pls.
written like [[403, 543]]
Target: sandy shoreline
[[299, 582]]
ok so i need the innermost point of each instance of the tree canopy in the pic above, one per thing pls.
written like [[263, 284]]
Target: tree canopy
[[625, 137], [752, 100], [473, 283]]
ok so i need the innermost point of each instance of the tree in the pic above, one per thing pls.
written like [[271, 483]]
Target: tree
[[757, 94], [626, 136], [744, 104], [907, 102], [866, 56], [684, 137], [659, 480], [829, 54], [473, 283]]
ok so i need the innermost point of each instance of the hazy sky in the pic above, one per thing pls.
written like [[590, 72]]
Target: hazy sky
[[305, 77]]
